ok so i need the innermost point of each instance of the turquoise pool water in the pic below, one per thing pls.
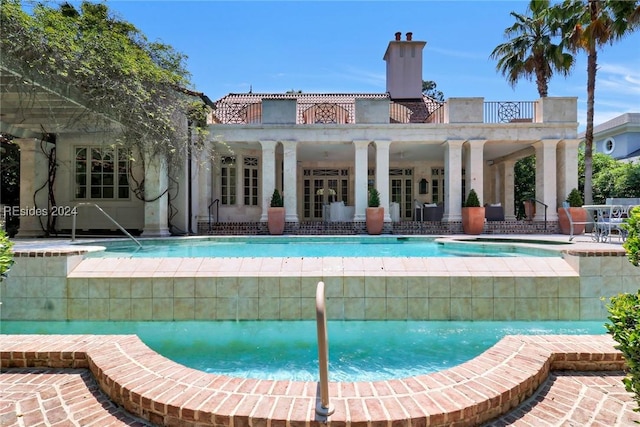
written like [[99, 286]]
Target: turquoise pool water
[[287, 350], [313, 247]]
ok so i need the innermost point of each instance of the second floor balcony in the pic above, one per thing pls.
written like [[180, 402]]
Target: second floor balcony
[[337, 109]]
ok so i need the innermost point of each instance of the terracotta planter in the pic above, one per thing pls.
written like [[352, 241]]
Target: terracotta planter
[[375, 220], [529, 209], [473, 220], [275, 220], [577, 214]]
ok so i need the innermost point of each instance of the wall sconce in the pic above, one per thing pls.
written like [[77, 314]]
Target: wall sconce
[[423, 186]]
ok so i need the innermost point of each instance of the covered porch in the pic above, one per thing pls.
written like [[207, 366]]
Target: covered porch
[[417, 167]]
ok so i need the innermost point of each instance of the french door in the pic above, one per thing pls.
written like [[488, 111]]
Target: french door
[[320, 188]]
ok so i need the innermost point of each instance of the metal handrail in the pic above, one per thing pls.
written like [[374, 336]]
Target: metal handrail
[[545, 211], [73, 229], [217, 203], [322, 408]]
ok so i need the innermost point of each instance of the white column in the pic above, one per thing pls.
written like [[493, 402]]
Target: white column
[[361, 179], [453, 180], [290, 180], [546, 179], [507, 171], [179, 196], [495, 183], [382, 175], [268, 166], [34, 167], [156, 205], [202, 190], [474, 167], [567, 168]]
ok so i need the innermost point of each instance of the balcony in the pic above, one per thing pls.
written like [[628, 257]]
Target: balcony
[[320, 109]]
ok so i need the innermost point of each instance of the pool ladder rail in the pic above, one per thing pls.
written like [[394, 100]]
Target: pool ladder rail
[[95, 205], [323, 408]]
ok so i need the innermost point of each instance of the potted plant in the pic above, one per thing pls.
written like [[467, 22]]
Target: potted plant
[[577, 212], [374, 213], [472, 214], [529, 203], [275, 214]]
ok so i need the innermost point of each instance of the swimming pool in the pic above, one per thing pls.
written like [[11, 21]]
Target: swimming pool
[[262, 246], [287, 350]]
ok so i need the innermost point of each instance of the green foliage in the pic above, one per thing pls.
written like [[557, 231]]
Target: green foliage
[[374, 198], [525, 182], [142, 85], [6, 254], [632, 242], [472, 200], [532, 50], [588, 26], [429, 89], [624, 314], [575, 198], [617, 179], [276, 199], [9, 180]]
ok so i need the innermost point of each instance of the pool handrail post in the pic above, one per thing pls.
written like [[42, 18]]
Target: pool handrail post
[[323, 407], [95, 205]]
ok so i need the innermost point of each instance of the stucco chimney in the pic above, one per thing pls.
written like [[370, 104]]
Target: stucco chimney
[[404, 68]]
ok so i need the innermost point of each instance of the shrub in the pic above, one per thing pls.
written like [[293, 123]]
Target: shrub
[[472, 200], [374, 198], [624, 314], [632, 229], [6, 254], [276, 199], [575, 199]]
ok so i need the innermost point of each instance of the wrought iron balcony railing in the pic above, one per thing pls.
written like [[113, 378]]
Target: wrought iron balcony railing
[[338, 109]]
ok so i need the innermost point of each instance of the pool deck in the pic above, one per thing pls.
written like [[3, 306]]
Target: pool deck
[[86, 380]]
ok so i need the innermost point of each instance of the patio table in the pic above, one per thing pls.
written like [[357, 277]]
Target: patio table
[[606, 218]]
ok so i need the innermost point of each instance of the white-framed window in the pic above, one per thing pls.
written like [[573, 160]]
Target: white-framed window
[[250, 185], [609, 145], [101, 173], [228, 174]]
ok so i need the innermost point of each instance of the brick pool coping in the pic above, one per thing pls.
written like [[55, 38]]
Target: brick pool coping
[[157, 389]]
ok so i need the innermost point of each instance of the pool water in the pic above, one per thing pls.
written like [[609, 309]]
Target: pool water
[[312, 247], [287, 350]]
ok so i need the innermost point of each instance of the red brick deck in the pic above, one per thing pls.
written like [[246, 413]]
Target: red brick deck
[[154, 388]]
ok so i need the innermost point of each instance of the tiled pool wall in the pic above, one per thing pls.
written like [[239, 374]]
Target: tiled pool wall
[[66, 286]]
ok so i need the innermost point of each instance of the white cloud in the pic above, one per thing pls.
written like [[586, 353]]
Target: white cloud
[[619, 79]]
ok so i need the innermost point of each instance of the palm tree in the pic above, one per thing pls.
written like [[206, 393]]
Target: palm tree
[[589, 25], [530, 50]]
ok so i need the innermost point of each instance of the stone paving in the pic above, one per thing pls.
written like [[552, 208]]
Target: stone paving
[[33, 397], [70, 397], [576, 399]]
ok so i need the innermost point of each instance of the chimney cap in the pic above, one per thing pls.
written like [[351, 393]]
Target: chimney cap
[[398, 35], [409, 36]]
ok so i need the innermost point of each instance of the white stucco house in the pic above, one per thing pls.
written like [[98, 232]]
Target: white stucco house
[[323, 152]]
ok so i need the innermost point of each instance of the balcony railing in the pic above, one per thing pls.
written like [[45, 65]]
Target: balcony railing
[[509, 111], [343, 111]]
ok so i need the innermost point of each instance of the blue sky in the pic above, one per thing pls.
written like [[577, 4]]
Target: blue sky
[[337, 46]]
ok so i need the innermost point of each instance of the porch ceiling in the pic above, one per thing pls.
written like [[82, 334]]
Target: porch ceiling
[[405, 151]]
